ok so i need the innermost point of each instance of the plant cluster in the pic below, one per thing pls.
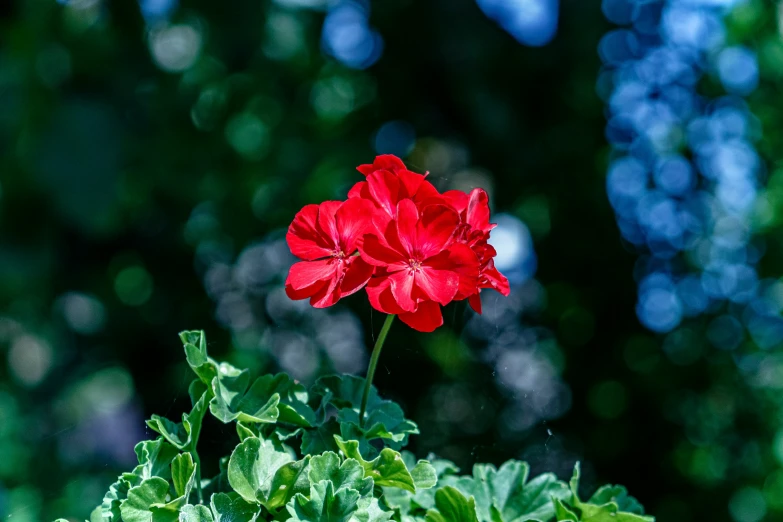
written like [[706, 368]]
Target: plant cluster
[[307, 455]]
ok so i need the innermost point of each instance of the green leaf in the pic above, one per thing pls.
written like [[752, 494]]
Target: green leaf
[[424, 475], [191, 513], [607, 511], [563, 512], [183, 475], [265, 474], [324, 504], [619, 495], [507, 490], [110, 508], [383, 419], [145, 502], [182, 435], [452, 506], [155, 458], [293, 405], [96, 515], [321, 439], [195, 344], [387, 469], [349, 474], [232, 508], [233, 401], [369, 510]]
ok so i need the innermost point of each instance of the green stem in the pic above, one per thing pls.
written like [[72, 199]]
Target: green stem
[[376, 353]]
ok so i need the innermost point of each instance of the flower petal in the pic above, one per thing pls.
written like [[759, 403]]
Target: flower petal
[[327, 224], [356, 276], [439, 285], [327, 295], [407, 220], [475, 302], [378, 253], [383, 162], [384, 189], [477, 214], [435, 229], [353, 219], [306, 273], [381, 298], [303, 238], [426, 318], [402, 289], [306, 292]]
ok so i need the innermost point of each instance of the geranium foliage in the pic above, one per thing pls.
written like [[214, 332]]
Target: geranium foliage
[[306, 456]]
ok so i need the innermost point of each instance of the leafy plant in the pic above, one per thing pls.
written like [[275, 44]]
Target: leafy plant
[[313, 456]]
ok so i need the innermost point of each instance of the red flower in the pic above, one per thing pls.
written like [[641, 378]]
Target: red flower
[[414, 248], [474, 231], [389, 182], [326, 236], [418, 264]]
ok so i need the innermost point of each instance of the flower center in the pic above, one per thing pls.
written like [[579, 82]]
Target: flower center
[[338, 254], [414, 265]]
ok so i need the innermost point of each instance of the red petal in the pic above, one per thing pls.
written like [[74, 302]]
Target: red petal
[[475, 302], [326, 221], [402, 289], [388, 162], [303, 238], [326, 296], [407, 220], [359, 190], [410, 182], [436, 228], [457, 199], [477, 215], [356, 276], [462, 260], [353, 219], [305, 292], [377, 252], [381, 298], [426, 318], [439, 285], [384, 189], [495, 279], [306, 273]]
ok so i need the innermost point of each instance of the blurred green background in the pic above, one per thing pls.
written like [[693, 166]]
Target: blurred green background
[[153, 153]]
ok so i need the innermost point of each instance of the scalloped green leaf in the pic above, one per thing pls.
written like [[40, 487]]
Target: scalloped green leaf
[[230, 507], [234, 401], [183, 475], [369, 510], [198, 513], [324, 504], [182, 435], [452, 506], [619, 495], [293, 407], [608, 511], [349, 474], [387, 469], [509, 492], [321, 439], [195, 344], [154, 458], [146, 502], [562, 512], [264, 474]]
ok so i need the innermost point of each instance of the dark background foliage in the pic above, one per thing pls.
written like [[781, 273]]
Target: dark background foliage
[[141, 197]]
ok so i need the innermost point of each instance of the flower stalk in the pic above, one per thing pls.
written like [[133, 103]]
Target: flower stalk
[[376, 354]]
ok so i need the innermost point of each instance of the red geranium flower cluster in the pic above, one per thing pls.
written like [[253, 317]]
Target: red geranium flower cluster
[[413, 248]]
